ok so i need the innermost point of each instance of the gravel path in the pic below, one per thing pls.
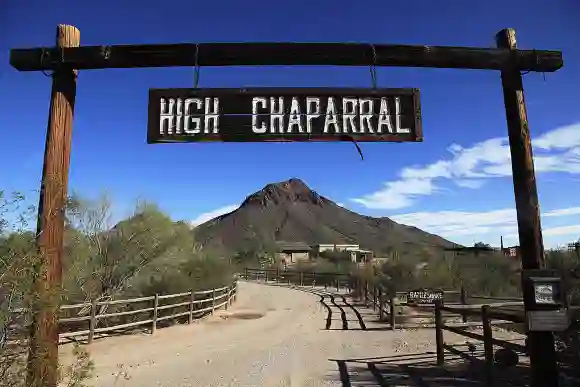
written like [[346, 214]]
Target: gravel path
[[296, 343]]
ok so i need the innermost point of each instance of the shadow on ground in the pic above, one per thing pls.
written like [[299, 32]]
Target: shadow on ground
[[462, 368]]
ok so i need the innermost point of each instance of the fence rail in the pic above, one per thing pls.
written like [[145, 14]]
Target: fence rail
[[301, 278], [508, 313], [456, 313], [158, 308]]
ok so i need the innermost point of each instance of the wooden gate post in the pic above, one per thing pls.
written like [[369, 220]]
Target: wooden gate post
[[439, 333], [544, 366], [43, 350]]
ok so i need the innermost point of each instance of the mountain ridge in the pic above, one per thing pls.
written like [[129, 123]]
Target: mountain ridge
[[291, 211]]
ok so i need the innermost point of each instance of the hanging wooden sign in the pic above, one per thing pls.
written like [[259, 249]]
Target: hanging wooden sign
[[284, 114]]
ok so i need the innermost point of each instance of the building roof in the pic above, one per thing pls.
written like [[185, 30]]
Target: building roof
[[293, 246]]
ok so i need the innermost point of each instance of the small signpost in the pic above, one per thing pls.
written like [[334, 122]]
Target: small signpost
[[423, 296], [284, 114]]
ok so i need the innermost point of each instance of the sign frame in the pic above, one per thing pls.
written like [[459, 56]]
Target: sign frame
[[232, 96], [424, 300]]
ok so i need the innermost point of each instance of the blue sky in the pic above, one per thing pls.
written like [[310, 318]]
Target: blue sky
[[456, 183]]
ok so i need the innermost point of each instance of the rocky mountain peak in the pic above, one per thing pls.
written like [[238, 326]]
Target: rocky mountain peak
[[288, 191]]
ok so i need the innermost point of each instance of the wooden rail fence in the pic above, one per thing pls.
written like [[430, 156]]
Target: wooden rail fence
[[157, 309], [506, 312], [302, 278], [456, 313]]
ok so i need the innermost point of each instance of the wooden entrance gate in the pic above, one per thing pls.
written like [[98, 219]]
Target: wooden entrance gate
[[68, 57]]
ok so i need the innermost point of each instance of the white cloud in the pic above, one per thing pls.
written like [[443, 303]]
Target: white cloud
[[397, 194], [340, 204], [554, 151], [469, 227], [563, 230], [204, 217], [471, 183]]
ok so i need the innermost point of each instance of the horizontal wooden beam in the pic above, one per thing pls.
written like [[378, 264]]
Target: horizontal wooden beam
[[273, 54]]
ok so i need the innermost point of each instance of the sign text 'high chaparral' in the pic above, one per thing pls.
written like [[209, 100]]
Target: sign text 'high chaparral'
[[287, 114]]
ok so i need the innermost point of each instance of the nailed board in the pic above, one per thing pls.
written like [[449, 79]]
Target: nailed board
[[284, 114], [548, 320], [424, 296]]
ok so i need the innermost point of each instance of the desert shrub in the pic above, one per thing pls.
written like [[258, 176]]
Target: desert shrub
[[146, 253], [19, 265]]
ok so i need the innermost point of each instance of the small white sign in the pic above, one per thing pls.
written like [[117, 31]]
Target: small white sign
[[544, 294]]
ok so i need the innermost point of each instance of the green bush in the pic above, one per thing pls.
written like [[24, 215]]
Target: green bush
[[144, 254]]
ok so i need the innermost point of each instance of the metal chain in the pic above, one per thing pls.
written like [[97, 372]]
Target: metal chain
[[42, 54], [196, 69], [373, 68]]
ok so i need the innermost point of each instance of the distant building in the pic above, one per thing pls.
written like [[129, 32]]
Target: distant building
[[335, 247], [292, 252], [512, 252], [357, 255], [363, 257]]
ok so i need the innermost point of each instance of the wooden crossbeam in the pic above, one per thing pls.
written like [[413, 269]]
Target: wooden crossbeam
[[273, 54]]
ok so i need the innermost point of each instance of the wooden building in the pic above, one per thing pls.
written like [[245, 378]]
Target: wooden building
[[292, 252]]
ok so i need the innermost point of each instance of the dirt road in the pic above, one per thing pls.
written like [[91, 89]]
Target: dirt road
[[273, 337]]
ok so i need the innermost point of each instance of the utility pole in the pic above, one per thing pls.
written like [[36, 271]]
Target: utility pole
[[544, 365], [43, 351]]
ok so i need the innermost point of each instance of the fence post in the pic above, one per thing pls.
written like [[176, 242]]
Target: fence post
[[381, 305], [487, 345], [93, 320], [212, 301], [374, 298], [155, 305], [301, 278], [191, 300], [366, 292], [338, 284], [246, 274], [463, 302], [392, 314], [277, 275], [227, 293], [439, 333]]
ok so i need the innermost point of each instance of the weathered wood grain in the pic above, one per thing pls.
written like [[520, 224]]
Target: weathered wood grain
[[286, 54]]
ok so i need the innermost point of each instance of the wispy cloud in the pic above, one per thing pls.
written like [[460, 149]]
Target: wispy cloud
[[461, 225], [554, 151], [204, 217]]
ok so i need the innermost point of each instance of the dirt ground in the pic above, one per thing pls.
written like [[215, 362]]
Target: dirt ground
[[274, 336]]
